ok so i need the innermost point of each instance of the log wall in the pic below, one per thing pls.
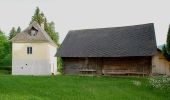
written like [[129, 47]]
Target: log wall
[[121, 65], [127, 65]]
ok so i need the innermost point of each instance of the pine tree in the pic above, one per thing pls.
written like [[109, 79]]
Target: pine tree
[[38, 16], [50, 29], [12, 33], [168, 42], [18, 29], [166, 47]]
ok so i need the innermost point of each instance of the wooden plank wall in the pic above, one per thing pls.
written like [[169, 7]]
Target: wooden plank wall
[[131, 65], [75, 65], [105, 65]]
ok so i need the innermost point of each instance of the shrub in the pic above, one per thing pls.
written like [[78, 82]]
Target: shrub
[[6, 68], [60, 65], [7, 61], [161, 82]]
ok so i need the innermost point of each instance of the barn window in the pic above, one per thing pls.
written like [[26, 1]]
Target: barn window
[[29, 50]]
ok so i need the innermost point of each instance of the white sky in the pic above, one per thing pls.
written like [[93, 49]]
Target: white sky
[[82, 14]]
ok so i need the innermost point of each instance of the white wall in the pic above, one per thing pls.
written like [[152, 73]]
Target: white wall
[[37, 63], [52, 58]]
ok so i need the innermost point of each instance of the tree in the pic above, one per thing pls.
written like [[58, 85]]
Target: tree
[[2, 42], [5, 52], [166, 47], [168, 42], [12, 33], [19, 29], [50, 29], [164, 51], [38, 16]]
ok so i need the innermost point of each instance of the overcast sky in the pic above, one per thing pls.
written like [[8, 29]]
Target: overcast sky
[[83, 14]]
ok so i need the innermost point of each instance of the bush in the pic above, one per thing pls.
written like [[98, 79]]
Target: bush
[[5, 50], [60, 65], [6, 68], [5, 72], [7, 61], [161, 82]]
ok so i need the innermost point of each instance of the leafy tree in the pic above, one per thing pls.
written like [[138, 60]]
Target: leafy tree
[[6, 47], [5, 52], [2, 42], [166, 47]]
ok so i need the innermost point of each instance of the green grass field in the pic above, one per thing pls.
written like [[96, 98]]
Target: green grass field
[[78, 88]]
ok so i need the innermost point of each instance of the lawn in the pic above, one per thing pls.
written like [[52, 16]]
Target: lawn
[[78, 88]]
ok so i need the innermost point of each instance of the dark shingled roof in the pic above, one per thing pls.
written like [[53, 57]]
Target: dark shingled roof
[[137, 40], [25, 36]]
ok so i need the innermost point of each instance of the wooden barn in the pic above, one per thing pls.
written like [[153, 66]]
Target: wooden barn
[[106, 51]]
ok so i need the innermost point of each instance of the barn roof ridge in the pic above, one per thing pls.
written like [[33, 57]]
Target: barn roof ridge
[[110, 27]]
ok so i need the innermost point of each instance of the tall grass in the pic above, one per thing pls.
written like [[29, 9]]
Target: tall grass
[[78, 88]]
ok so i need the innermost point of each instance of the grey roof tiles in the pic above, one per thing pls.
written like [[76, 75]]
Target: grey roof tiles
[[137, 40]]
